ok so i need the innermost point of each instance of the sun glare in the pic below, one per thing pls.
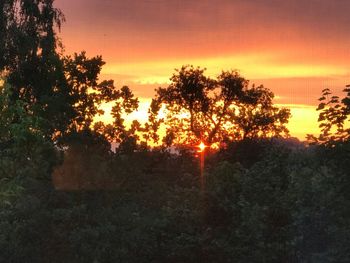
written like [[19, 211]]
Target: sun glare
[[201, 147]]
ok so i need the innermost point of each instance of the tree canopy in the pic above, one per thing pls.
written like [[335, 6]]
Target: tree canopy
[[31, 62], [88, 93], [64, 91], [333, 118], [198, 107]]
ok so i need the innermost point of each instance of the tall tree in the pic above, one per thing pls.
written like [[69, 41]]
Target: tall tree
[[200, 108], [31, 63], [88, 94]]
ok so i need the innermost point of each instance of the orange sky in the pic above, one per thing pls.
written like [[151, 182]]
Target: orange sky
[[294, 47]]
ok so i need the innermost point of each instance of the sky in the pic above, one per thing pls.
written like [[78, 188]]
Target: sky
[[295, 48]]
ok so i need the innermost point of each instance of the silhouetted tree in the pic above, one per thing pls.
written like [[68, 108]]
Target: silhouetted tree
[[87, 93], [119, 132], [200, 108], [333, 118]]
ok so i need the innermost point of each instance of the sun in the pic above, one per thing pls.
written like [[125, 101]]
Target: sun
[[201, 147]]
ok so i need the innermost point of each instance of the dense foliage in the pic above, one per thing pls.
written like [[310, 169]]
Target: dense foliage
[[289, 205], [65, 196], [200, 108], [334, 118]]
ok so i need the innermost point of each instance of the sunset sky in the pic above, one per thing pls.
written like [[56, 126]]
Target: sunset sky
[[296, 48]]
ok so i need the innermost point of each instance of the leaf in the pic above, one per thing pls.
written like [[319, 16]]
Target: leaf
[[321, 106]]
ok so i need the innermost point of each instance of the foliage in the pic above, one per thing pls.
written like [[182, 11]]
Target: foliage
[[82, 77], [200, 108], [31, 63], [288, 205], [333, 118], [22, 142], [26, 163], [124, 103], [265, 199]]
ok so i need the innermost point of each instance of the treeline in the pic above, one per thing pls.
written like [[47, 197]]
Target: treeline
[[66, 197], [263, 201]]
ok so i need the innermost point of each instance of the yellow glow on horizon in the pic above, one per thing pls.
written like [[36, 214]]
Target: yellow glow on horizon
[[153, 80], [141, 114], [251, 66], [302, 122]]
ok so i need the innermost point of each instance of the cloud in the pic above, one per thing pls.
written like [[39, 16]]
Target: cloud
[[177, 15], [137, 30]]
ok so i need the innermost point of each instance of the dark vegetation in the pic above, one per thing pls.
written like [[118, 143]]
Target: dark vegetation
[[66, 197]]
